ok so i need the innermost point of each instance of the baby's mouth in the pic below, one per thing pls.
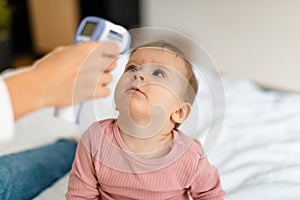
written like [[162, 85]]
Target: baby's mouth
[[135, 90]]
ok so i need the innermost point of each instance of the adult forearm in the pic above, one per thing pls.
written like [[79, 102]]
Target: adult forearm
[[25, 93]]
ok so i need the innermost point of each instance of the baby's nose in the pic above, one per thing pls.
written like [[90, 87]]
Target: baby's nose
[[138, 76]]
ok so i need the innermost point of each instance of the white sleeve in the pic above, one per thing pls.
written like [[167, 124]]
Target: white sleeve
[[7, 123]]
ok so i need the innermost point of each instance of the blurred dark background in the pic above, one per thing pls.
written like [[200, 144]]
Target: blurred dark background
[[20, 51]]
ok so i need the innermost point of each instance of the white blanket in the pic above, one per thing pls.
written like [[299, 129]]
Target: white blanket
[[258, 155]]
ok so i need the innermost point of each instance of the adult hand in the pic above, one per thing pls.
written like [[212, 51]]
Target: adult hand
[[70, 74]]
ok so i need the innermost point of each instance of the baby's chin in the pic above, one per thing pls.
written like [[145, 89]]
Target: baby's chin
[[136, 116], [145, 124]]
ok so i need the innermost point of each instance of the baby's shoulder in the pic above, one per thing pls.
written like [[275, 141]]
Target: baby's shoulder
[[192, 155], [197, 147], [193, 146], [100, 126], [195, 151], [97, 135], [99, 129]]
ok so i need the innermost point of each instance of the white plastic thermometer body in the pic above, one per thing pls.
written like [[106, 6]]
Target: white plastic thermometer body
[[95, 28]]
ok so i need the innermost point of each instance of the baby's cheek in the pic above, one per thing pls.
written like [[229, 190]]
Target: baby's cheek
[[169, 101]]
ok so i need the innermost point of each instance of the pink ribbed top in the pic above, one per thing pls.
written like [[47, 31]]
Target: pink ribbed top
[[104, 168]]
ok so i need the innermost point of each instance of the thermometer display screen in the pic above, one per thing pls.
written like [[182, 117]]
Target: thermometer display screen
[[89, 29]]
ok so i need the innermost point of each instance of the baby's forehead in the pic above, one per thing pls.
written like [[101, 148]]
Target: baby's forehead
[[156, 49], [158, 56]]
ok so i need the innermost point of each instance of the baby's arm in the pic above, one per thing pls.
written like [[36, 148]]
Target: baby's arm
[[206, 184], [82, 180]]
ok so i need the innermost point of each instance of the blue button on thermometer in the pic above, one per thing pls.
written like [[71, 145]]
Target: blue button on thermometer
[[98, 29]]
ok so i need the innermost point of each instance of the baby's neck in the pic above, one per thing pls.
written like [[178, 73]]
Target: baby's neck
[[153, 147]]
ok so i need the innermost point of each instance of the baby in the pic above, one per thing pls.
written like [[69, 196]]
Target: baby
[[142, 154]]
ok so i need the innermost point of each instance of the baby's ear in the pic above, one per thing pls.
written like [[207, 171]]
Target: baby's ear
[[182, 113]]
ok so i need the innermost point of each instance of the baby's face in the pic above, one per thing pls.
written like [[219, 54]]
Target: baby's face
[[153, 78]]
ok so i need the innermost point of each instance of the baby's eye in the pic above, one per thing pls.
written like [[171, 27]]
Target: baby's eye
[[159, 73], [132, 68]]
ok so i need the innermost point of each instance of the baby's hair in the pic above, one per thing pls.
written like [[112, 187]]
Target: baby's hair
[[189, 96]]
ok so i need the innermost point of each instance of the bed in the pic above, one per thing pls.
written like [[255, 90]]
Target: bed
[[257, 153]]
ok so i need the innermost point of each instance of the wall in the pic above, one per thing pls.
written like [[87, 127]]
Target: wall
[[256, 39], [53, 23]]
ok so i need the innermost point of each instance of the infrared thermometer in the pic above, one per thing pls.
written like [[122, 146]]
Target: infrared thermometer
[[95, 29]]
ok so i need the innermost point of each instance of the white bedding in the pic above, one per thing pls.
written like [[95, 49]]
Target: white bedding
[[257, 155]]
